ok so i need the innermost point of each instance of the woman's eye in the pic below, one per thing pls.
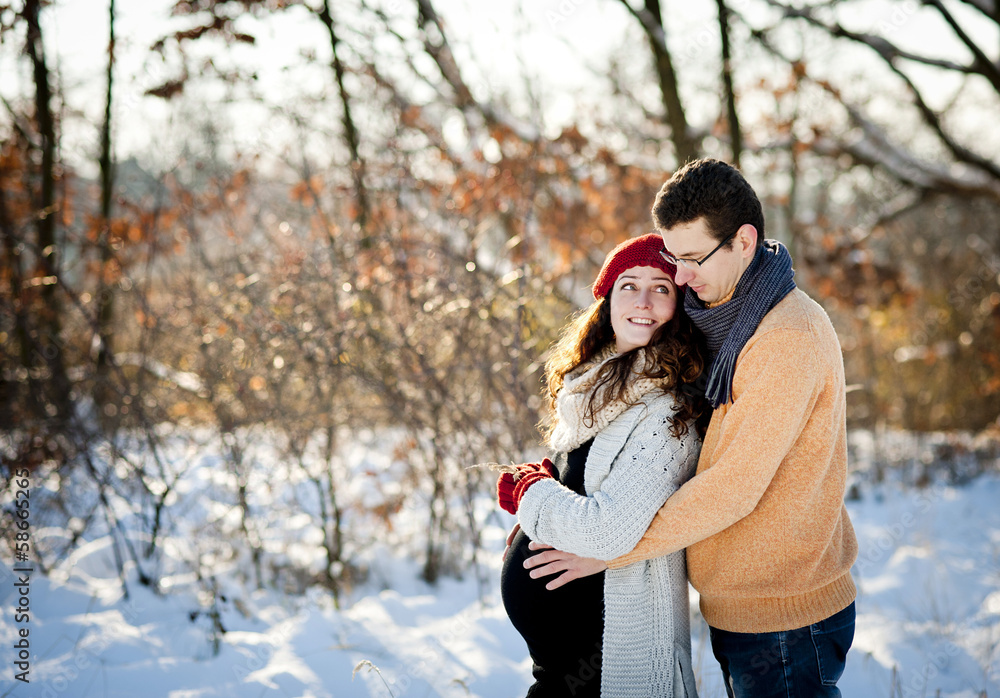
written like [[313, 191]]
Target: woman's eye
[[628, 286], [663, 289]]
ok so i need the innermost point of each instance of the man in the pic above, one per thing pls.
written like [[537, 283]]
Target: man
[[769, 543]]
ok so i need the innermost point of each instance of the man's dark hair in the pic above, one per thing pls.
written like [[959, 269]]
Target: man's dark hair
[[713, 190]]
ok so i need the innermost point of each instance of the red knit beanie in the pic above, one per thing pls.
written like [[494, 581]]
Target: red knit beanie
[[642, 251]]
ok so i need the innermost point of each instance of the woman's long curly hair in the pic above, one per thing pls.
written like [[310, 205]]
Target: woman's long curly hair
[[676, 353]]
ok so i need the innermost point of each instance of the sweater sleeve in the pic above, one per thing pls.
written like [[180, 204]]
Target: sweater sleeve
[[649, 467], [776, 385]]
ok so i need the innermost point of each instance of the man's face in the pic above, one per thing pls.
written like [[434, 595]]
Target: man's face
[[718, 276]]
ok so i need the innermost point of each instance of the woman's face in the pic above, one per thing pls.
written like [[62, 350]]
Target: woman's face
[[642, 300]]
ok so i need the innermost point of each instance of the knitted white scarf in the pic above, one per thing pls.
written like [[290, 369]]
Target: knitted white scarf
[[572, 429]]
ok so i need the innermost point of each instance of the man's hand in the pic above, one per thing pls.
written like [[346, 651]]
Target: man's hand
[[553, 561], [510, 539]]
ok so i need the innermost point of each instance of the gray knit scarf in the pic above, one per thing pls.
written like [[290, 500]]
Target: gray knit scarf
[[728, 327]]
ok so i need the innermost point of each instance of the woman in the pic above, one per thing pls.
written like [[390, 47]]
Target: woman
[[622, 427]]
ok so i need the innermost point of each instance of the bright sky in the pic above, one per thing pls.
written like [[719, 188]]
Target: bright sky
[[546, 37], [552, 42]]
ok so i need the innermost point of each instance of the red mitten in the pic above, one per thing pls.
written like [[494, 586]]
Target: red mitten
[[505, 493], [511, 489], [506, 484], [550, 468], [527, 481], [546, 466]]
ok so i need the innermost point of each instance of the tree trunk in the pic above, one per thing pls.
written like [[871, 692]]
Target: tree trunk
[[732, 119], [105, 295], [333, 534], [48, 345], [350, 132], [433, 554], [11, 407], [672, 105]]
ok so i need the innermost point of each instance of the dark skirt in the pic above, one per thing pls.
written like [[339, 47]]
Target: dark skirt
[[563, 628]]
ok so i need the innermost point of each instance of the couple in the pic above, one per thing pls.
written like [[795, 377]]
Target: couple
[[634, 503]]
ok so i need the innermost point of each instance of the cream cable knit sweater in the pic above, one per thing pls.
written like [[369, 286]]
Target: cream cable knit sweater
[[633, 466]]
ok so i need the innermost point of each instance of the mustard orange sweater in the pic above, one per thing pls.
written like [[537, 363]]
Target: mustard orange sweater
[[769, 543]]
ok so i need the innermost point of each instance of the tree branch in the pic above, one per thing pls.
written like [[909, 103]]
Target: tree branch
[[987, 68], [882, 46], [105, 294], [350, 132], [735, 137], [933, 120], [990, 8], [50, 317], [874, 148], [443, 56], [890, 55], [650, 19]]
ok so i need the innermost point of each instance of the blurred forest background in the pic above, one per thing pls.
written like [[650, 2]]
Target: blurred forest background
[[296, 223]]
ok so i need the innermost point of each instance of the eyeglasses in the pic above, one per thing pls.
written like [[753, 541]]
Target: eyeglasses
[[690, 263]]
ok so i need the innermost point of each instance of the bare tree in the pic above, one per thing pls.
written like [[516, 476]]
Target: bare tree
[[650, 18], [45, 337], [732, 117], [105, 291], [357, 163], [876, 146]]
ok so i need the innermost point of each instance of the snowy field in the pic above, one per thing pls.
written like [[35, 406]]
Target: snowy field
[[928, 617]]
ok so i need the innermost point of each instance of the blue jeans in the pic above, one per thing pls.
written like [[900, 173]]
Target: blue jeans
[[800, 663]]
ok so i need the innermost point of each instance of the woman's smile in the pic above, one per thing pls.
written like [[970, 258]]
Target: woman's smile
[[642, 300]]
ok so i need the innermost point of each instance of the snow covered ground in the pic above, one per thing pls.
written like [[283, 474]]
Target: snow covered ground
[[928, 620]]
